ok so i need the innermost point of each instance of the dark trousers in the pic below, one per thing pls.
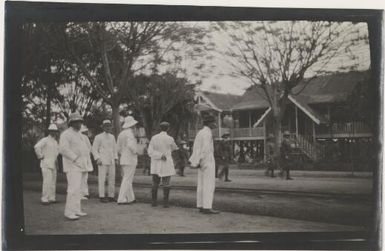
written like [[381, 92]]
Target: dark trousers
[[224, 171], [162, 181]]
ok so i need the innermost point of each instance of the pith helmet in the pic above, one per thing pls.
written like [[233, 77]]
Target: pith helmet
[[75, 117], [129, 121], [53, 127]]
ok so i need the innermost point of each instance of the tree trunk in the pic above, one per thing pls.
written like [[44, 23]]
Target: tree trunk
[[48, 111], [116, 119], [277, 127]]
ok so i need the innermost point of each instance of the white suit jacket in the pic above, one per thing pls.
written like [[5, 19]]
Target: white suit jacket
[[162, 144], [47, 149], [127, 148], [104, 148], [90, 168], [74, 149], [203, 149]]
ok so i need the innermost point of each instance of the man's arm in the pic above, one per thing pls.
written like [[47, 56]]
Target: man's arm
[[152, 152], [39, 148], [95, 148], [65, 149]]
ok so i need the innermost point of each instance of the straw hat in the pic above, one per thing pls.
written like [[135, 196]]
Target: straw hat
[[106, 122], [129, 121]]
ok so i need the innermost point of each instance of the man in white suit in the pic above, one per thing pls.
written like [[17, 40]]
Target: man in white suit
[[106, 156], [128, 157], [85, 192], [203, 159], [74, 150], [162, 164], [47, 150]]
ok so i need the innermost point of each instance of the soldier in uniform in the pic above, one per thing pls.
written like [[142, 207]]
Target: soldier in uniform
[[181, 158], [270, 159], [224, 156], [47, 151], [286, 160], [162, 165]]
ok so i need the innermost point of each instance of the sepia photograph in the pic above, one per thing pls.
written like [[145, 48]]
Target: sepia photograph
[[195, 127]]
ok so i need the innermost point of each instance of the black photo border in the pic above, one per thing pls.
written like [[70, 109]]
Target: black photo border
[[14, 236]]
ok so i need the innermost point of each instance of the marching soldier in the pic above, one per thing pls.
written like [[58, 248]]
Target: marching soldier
[[106, 156], [47, 151], [224, 156], [162, 165], [203, 159], [75, 154], [286, 161], [90, 168], [128, 153]]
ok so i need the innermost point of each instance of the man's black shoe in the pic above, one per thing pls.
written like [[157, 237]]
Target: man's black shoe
[[200, 209], [289, 178], [227, 180], [110, 199], [103, 199], [209, 211]]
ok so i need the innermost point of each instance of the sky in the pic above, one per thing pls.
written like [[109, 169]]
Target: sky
[[220, 79]]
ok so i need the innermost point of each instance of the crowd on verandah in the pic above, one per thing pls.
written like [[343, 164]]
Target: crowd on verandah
[[76, 150]]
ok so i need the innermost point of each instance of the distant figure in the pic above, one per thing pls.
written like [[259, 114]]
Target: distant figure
[[181, 158], [146, 161], [162, 165], [128, 153], [270, 159], [75, 154], [47, 151], [90, 168], [106, 156], [203, 159], [286, 160], [224, 156]]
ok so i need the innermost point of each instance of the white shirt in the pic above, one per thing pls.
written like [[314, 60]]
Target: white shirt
[[104, 148], [74, 149], [47, 150], [162, 144], [127, 148], [203, 148]]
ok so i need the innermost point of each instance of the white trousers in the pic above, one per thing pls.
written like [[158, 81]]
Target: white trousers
[[126, 193], [206, 184], [73, 200], [49, 184], [84, 186], [103, 172]]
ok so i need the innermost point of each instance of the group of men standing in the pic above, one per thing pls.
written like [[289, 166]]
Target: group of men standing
[[75, 148]]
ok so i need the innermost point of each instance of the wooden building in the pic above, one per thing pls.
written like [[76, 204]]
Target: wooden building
[[316, 118]]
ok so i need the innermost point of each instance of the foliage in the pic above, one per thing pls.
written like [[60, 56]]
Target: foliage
[[162, 97]]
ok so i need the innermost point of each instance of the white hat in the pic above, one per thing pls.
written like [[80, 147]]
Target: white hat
[[106, 122], [75, 117], [83, 128], [52, 127], [129, 121]]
